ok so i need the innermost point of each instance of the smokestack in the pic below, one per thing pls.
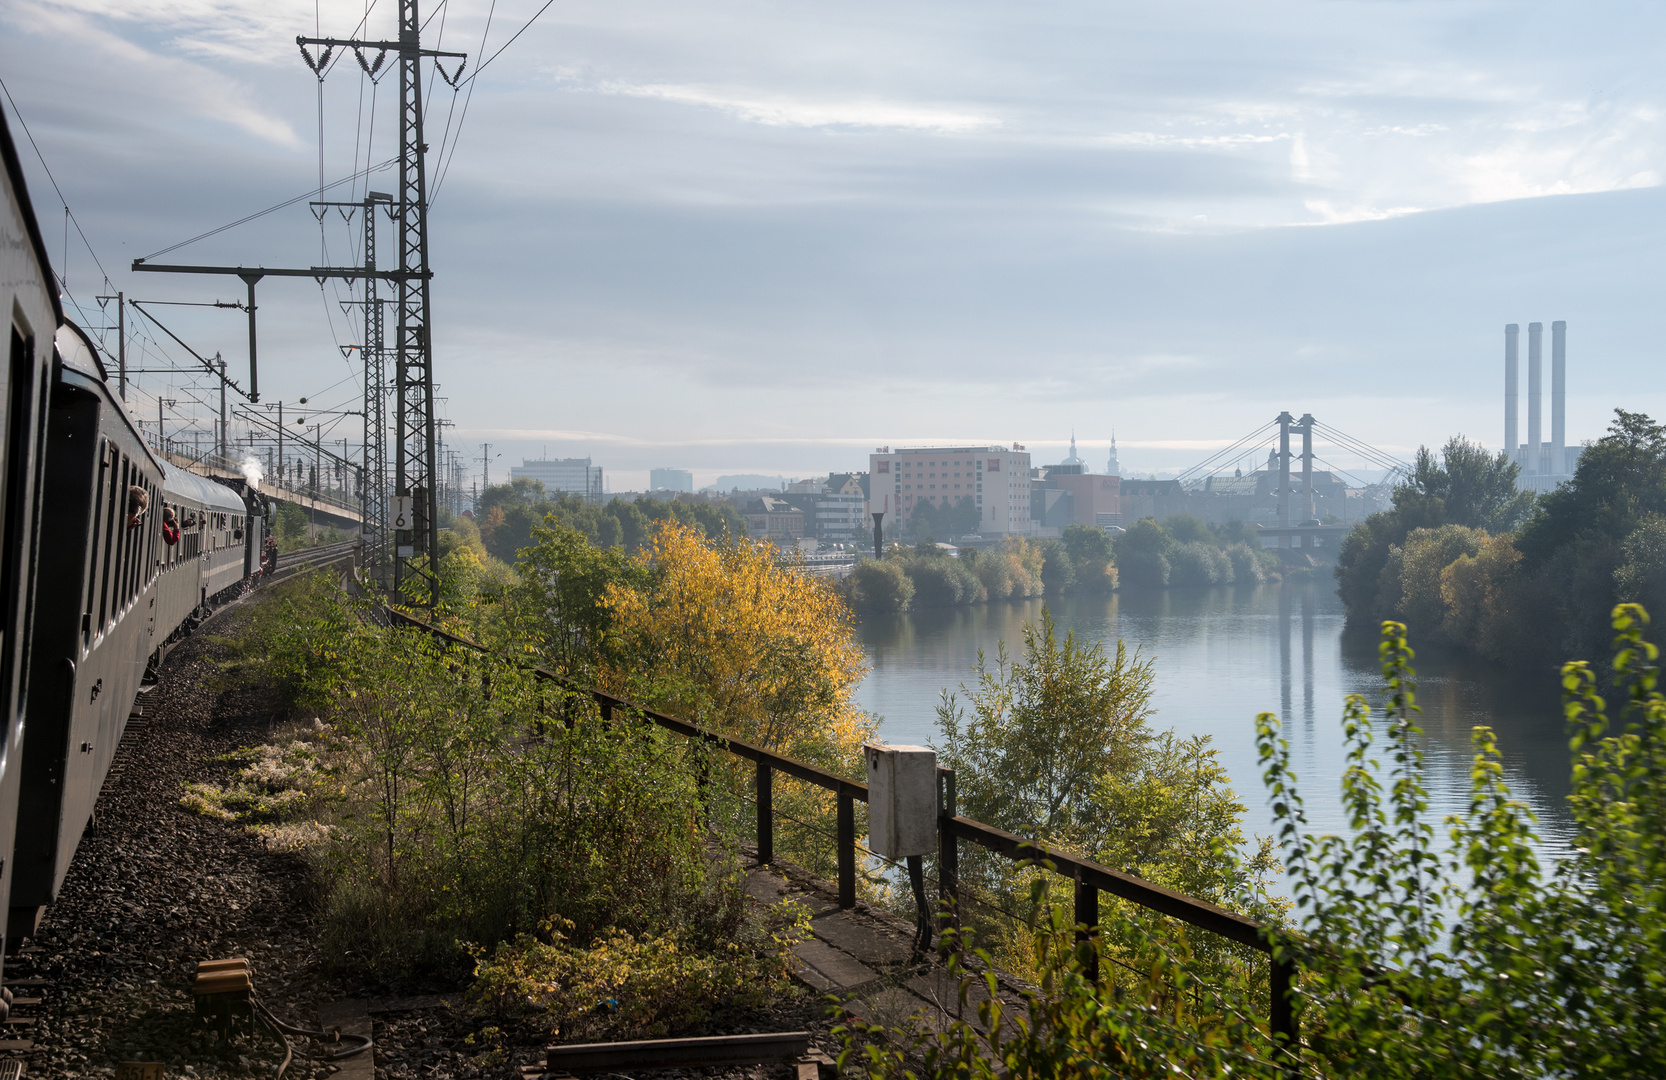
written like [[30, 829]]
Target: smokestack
[[1535, 396], [1512, 407], [1558, 397]]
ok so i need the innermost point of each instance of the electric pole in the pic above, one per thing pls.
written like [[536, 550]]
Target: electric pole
[[222, 364], [417, 554], [485, 465], [121, 339]]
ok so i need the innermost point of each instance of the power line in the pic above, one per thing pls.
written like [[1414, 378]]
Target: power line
[[445, 165], [68, 213], [510, 42], [279, 206]]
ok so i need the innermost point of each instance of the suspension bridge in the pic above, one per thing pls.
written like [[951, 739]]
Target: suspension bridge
[[1270, 446]]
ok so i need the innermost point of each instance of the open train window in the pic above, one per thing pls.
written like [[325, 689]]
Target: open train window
[[124, 538], [112, 502], [91, 606]]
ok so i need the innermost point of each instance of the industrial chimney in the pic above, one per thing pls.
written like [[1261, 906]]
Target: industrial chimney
[[1535, 395], [1512, 408], [1558, 397]]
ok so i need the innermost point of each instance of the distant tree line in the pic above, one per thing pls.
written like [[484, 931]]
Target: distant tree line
[[1180, 551], [507, 513], [1468, 561]]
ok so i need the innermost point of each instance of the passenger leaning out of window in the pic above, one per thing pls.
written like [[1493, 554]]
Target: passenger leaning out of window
[[170, 530], [137, 502]]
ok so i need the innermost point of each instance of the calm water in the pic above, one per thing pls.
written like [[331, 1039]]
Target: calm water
[[1224, 655]]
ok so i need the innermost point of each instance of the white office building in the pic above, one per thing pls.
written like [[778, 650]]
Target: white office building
[[574, 476], [670, 480]]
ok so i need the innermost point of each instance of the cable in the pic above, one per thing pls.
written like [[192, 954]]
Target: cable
[[510, 42], [68, 214], [279, 206], [445, 165], [284, 1030]]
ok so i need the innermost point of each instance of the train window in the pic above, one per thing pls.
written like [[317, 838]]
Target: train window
[[124, 541], [111, 503], [90, 607]]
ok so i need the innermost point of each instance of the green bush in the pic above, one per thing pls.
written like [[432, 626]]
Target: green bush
[[472, 802], [1247, 566], [879, 585], [1196, 563]]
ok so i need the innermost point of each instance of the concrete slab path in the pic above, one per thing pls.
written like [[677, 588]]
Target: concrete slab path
[[864, 955]]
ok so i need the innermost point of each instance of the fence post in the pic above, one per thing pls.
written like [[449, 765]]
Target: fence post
[[948, 852], [847, 849], [606, 707], [1282, 1019], [766, 814], [1087, 922]]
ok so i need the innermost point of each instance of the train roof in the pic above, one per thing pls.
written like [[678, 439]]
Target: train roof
[[20, 191], [179, 484], [78, 352]]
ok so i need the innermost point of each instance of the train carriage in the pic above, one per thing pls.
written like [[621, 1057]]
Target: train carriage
[[97, 621], [30, 297], [92, 590]]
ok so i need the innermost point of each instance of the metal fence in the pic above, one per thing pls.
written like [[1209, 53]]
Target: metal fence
[[1090, 878]]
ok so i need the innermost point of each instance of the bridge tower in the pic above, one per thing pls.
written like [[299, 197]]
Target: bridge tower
[[1284, 421]]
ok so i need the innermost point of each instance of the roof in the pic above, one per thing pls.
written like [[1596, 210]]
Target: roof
[[20, 191], [180, 484]]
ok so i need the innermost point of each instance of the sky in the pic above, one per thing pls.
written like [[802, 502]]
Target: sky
[[738, 236]]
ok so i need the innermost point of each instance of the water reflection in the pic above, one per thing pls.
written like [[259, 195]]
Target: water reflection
[[1224, 655]]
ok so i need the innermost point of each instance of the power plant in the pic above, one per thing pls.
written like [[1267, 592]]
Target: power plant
[[1543, 464]]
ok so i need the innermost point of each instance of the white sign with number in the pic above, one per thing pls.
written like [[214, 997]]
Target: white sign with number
[[404, 510]]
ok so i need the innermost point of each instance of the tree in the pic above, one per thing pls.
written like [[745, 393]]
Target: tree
[[291, 521], [1044, 730], [879, 585], [558, 606], [1466, 487], [947, 520], [1092, 557], [1142, 554], [1475, 488], [716, 632]]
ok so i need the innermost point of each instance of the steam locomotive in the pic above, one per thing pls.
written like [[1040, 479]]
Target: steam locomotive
[[93, 590]]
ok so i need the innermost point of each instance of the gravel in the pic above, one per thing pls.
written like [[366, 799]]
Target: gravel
[[154, 888]]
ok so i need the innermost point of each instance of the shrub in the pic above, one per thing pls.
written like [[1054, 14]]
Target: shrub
[[1143, 568], [879, 585], [1246, 565], [1198, 563], [943, 581], [631, 986]]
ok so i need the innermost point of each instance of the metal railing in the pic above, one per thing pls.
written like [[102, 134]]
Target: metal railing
[[1090, 878]]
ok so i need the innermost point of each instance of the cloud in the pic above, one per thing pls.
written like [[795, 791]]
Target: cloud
[[789, 112]]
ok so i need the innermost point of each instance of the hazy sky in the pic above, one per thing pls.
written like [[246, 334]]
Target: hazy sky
[[748, 237]]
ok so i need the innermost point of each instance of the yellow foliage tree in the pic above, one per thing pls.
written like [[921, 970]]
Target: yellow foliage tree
[[719, 634]]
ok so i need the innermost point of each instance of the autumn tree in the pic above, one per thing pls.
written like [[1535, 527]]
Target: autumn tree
[[721, 634]]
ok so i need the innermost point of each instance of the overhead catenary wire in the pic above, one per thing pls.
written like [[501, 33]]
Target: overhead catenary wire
[[365, 172]]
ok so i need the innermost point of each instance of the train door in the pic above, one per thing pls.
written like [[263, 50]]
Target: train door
[[14, 519], [17, 443]]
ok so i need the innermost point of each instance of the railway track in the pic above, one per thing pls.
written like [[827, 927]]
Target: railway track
[[293, 562]]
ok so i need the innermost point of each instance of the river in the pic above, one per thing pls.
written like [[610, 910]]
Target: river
[[1223, 655]]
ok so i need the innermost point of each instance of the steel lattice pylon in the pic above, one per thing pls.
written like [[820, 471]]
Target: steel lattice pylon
[[377, 549], [415, 550]]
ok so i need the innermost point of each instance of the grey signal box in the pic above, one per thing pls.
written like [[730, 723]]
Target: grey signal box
[[902, 800]]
